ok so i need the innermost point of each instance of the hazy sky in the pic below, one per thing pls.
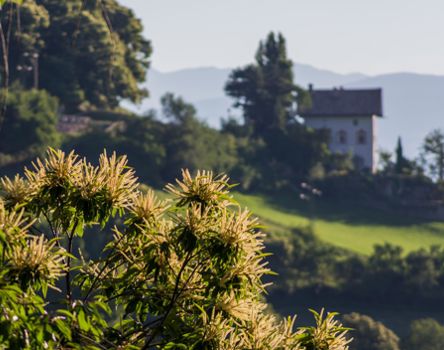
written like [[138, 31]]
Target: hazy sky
[[368, 36]]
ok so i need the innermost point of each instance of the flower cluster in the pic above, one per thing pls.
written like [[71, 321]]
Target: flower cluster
[[67, 186], [38, 260], [203, 255]]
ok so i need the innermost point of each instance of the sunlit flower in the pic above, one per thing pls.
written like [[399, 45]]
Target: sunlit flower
[[236, 227], [204, 188], [56, 170], [120, 182], [13, 223], [328, 333], [250, 269], [261, 331], [239, 308], [16, 191], [215, 329], [38, 259], [148, 207], [90, 182]]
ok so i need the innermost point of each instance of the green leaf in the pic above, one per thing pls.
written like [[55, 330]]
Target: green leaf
[[83, 323], [63, 328]]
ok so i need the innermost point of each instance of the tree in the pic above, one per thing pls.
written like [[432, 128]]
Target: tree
[[30, 124], [386, 165], [425, 334], [87, 53], [190, 143], [432, 153], [265, 91], [141, 137], [369, 334], [401, 162], [184, 274]]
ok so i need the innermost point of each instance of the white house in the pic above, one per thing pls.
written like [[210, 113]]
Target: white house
[[350, 117]]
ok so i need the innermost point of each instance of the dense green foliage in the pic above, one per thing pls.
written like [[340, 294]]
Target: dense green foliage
[[387, 274], [425, 334], [369, 334], [161, 145], [30, 125], [87, 53], [184, 274], [433, 153]]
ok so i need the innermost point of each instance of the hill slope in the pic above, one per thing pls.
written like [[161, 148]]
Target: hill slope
[[343, 224]]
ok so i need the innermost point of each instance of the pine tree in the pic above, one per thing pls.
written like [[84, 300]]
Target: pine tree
[[265, 90]]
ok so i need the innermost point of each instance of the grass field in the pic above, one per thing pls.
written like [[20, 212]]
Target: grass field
[[346, 225]]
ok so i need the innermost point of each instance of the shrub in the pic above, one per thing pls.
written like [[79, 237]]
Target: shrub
[[369, 334], [183, 274], [425, 334], [30, 123]]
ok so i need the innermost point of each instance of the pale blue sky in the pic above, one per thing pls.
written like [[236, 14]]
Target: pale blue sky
[[368, 36]]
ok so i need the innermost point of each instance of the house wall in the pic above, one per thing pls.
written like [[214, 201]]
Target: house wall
[[350, 127]]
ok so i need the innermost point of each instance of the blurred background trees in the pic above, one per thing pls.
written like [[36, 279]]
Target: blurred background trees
[[87, 53]]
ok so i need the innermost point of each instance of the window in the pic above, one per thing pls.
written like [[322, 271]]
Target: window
[[361, 137], [342, 137]]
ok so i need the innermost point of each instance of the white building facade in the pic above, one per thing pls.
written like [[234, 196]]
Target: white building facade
[[350, 118]]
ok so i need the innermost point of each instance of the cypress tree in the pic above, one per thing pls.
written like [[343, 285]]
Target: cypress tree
[[400, 160]]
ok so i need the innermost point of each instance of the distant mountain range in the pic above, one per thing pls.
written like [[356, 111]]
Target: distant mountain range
[[413, 103]]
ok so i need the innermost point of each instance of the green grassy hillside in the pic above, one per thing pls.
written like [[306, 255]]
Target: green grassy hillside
[[346, 225]]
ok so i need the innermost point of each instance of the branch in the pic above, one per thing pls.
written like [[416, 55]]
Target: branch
[[5, 59], [68, 263], [173, 299]]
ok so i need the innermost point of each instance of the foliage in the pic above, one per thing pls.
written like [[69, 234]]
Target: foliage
[[265, 90], [303, 261], [141, 137], [87, 53], [161, 145], [369, 334], [425, 334], [401, 164], [3, 2], [180, 275], [190, 143], [432, 153], [30, 123]]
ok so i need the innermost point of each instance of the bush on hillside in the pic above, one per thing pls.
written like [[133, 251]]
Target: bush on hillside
[[425, 334], [369, 334]]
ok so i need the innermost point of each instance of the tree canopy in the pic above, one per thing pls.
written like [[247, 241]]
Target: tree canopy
[[369, 334], [265, 90], [425, 334], [432, 153], [30, 124], [87, 53]]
